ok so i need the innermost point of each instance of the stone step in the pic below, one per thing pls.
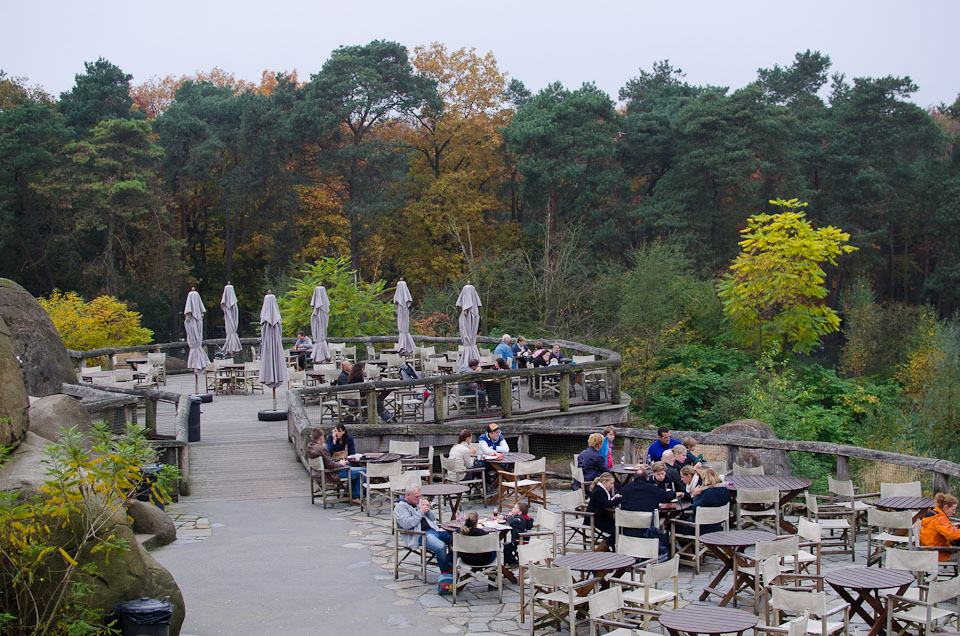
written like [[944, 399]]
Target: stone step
[[148, 541]]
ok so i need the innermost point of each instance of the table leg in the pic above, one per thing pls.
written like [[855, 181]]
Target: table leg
[[727, 559], [454, 504], [786, 498], [856, 604]]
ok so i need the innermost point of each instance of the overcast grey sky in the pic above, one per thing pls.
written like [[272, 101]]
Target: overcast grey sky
[[720, 43]]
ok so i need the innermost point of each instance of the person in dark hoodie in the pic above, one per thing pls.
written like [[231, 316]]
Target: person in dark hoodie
[[590, 459], [519, 521]]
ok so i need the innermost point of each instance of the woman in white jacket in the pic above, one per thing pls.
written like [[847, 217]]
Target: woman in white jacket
[[461, 453]]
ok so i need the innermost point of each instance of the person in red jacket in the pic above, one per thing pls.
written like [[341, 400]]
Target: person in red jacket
[[936, 529]]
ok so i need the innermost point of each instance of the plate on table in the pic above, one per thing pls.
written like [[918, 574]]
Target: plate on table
[[372, 455], [494, 456]]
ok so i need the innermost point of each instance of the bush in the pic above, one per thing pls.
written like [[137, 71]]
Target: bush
[[102, 322]]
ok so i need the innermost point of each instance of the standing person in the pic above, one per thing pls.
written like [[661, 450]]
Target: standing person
[[470, 528], [695, 458], [413, 513], [590, 460], [505, 351], [662, 443], [339, 441], [316, 448], [302, 346], [519, 521], [606, 450], [492, 442], [936, 529], [603, 502]]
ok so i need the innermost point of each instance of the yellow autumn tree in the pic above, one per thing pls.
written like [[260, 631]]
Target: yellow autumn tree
[[102, 322]]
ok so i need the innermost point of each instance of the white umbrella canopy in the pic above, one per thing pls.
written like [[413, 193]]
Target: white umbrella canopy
[[231, 319], [273, 369], [403, 300], [319, 319], [469, 304], [193, 312]]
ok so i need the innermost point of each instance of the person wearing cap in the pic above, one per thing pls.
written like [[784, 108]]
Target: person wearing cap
[[492, 442]]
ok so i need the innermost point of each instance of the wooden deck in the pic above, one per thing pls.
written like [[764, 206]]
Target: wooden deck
[[239, 457]]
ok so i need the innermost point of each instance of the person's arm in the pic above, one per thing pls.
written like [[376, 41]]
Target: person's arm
[[946, 529], [666, 496], [503, 446], [330, 443], [484, 446], [408, 517]]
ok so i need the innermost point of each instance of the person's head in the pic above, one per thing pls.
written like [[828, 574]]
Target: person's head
[[946, 502], [679, 453], [687, 473], [606, 480], [346, 366], [340, 430], [300, 335], [316, 434], [556, 349], [522, 507], [493, 431], [521, 340], [668, 457], [474, 364], [470, 521], [505, 339], [663, 434], [356, 372], [412, 495], [465, 436], [610, 432], [539, 344], [690, 444], [659, 470], [545, 355], [595, 441], [502, 364], [642, 474], [709, 478]]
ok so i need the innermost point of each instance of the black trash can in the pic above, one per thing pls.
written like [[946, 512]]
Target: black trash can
[[593, 393], [149, 475], [193, 424], [144, 617]]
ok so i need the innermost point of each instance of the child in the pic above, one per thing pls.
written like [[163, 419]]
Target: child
[[519, 521]]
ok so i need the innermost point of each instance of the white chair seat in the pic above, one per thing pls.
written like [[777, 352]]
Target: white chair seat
[[560, 596], [859, 506], [815, 627], [655, 596], [918, 614], [806, 557], [893, 538], [834, 524]]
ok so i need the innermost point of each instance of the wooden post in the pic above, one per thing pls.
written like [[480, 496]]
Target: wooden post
[[615, 385], [372, 406], [150, 416], [564, 391], [628, 449], [438, 402], [733, 455], [843, 468], [941, 482], [109, 362], [523, 443], [506, 397]]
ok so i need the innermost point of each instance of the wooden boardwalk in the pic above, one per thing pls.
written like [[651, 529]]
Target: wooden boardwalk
[[239, 457]]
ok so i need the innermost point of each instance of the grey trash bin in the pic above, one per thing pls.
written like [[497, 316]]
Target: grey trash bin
[[193, 424], [144, 617]]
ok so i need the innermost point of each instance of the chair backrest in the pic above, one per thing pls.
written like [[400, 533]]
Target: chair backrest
[[571, 500], [448, 466], [907, 489], [915, 538], [373, 372], [739, 470], [840, 487], [551, 576], [582, 359], [348, 395], [383, 469], [297, 376], [531, 467], [534, 551], [349, 352], [404, 448], [399, 483], [95, 369], [251, 366], [158, 359], [316, 463], [799, 601], [656, 572], [606, 602], [638, 547], [706, 515], [770, 570], [547, 521], [894, 519], [577, 473], [810, 530], [912, 560], [123, 375], [798, 626], [943, 590], [108, 381], [489, 542], [219, 364], [779, 547], [633, 519], [811, 501], [758, 496]]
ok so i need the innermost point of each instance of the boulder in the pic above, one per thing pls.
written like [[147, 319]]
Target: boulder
[[13, 395], [46, 364], [775, 462], [23, 472], [176, 365], [160, 584], [50, 414], [148, 519]]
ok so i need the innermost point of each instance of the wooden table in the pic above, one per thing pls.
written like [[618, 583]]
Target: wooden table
[[233, 370], [790, 487], [598, 564], [133, 362], [452, 492], [672, 510], [707, 620], [362, 459], [920, 504], [867, 583], [626, 470], [453, 367], [378, 362], [724, 545]]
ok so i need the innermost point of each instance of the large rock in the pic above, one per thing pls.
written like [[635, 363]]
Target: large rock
[[24, 472], [46, 364], [50, 414], [160, 584], [13, 396], [148, 519], [775, 462]]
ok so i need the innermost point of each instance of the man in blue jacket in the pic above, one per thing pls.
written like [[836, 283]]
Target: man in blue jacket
[[663, 443]]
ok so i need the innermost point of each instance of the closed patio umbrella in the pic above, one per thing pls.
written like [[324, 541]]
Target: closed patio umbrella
[[273, 368], [193, 312], [231, 319], [403, 300], [469, 304], [319, 319]]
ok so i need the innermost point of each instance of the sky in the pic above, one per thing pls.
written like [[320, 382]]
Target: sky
[[606, 42]]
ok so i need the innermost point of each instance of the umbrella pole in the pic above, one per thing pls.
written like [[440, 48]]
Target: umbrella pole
[[274, 398], [196, 383]]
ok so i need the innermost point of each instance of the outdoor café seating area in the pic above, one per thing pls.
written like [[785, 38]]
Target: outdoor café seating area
[[784, 560]]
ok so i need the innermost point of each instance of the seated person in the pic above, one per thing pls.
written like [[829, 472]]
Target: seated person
[[462, 455], [663, 442], [492, 387], [302, 346], [693, 457], [936, 529], [590, 459], [691, 479], [344, 376], [474, 388], [413, 513], [519, 521], [681, 457], [356, 377], [316, 448], [711, 493], [469, 528], [556, 354], [642, 496], [658, 477], [492, 442], [521, 352], [673, 468], [339, 441], [504, 350], [603, 502]]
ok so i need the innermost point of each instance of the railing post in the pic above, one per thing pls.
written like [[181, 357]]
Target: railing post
[[523, 443], [615, 385], [506, 396], [628, 449], [372, 406], [733, 456], [150, 415], [564, 391], [941, 482], [109, 363], [438, 402], [843, 468]]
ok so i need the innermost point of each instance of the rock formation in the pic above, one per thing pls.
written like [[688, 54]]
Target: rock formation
[[13, 397], [775, 462]]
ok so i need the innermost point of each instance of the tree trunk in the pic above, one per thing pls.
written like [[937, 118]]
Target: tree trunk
[[109, 283]]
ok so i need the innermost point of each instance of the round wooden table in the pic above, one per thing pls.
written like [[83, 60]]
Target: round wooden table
[[452, 492], [598, 564], [867, 583], [625, 471], [724, 545], [789, 486], [920, 504], [707, 620]]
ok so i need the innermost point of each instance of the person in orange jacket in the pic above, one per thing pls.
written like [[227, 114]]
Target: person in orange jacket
[[936, 529]]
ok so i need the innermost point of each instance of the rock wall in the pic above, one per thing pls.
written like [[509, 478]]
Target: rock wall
[[46, 364], [13, 396]]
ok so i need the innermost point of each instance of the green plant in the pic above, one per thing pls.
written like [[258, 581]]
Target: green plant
[[51, 543]]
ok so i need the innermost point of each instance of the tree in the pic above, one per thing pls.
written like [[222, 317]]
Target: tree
[[103, 92], [102, 322], [773, 294]]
